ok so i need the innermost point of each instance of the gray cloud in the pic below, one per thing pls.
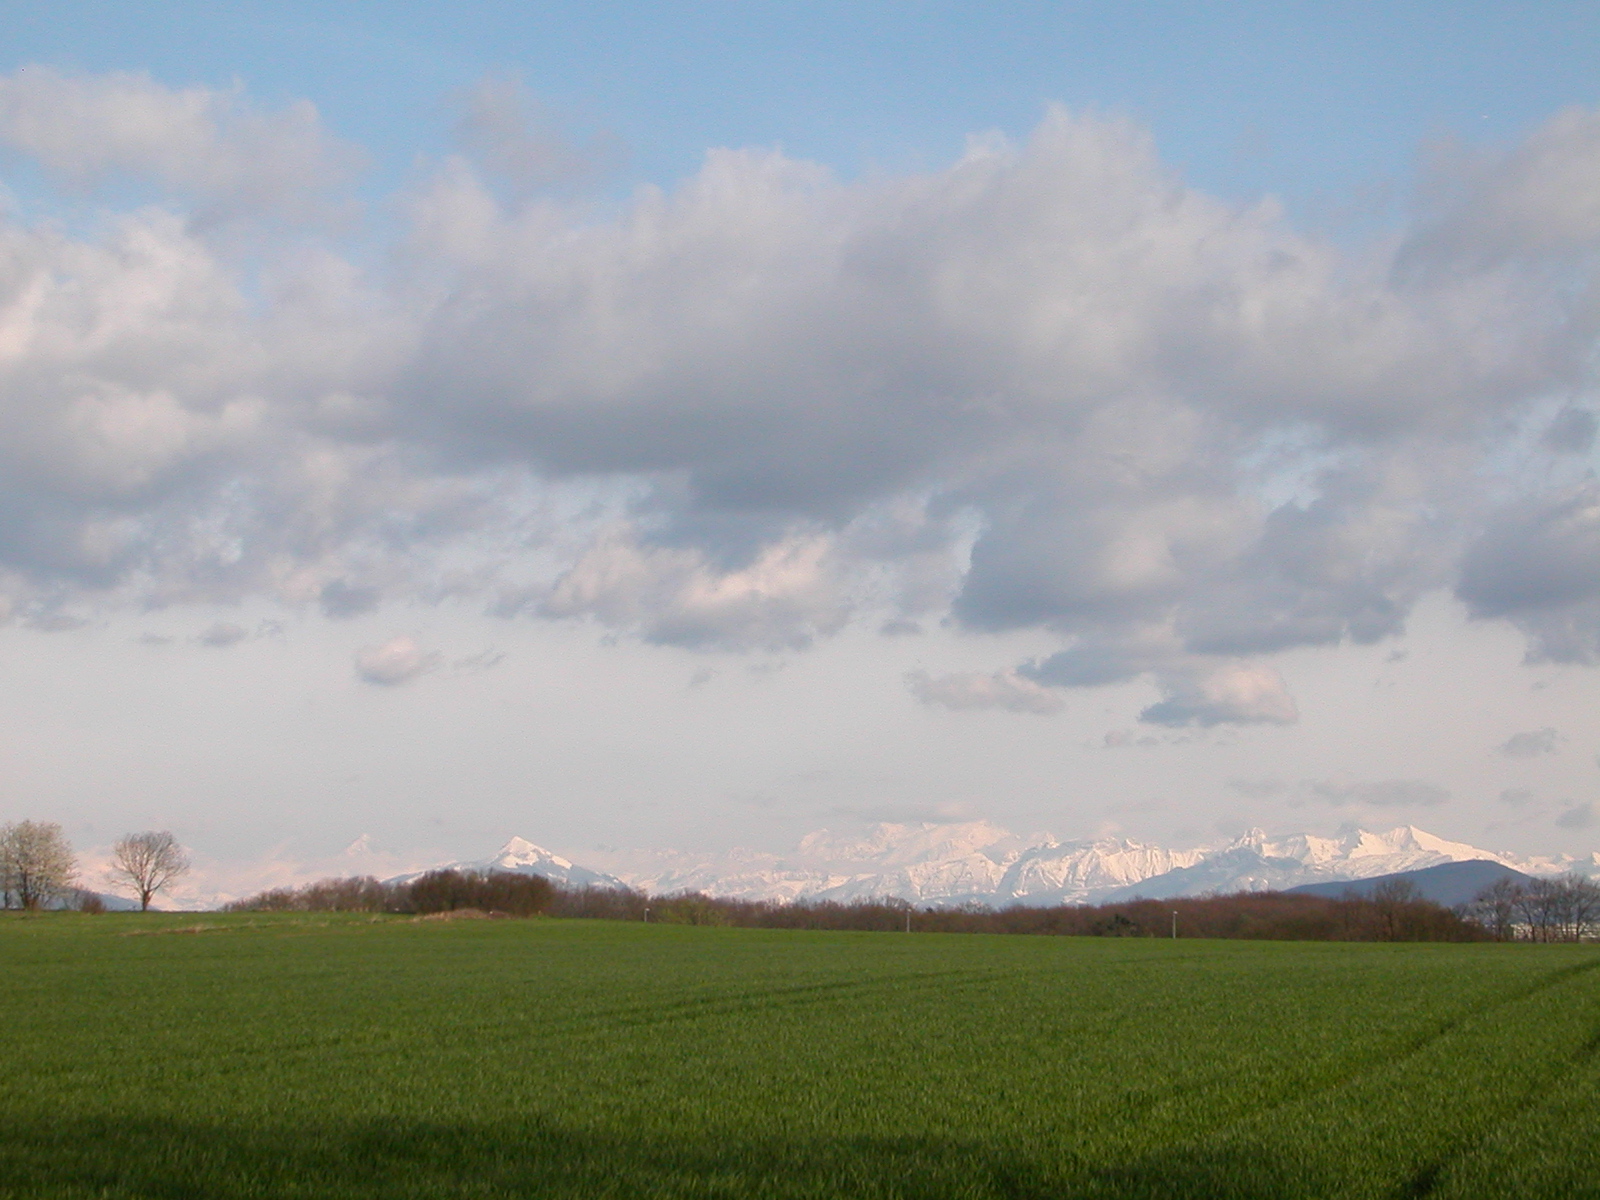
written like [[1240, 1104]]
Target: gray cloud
[[517, 139], [1578, 816], [1049, 386], [1538, 563], [222, 634], [1389, 793], [1572, 431], [1384, 793], [1533, 743], [341, 599]]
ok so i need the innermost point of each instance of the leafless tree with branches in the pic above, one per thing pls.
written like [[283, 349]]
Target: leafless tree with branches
[[147, 862]]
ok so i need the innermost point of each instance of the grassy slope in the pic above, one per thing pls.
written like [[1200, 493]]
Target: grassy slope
[[300, 1056]]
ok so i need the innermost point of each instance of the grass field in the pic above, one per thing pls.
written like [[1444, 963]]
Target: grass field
[[251, 1056]]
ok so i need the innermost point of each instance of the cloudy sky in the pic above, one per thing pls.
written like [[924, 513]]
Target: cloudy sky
[[692, 425]]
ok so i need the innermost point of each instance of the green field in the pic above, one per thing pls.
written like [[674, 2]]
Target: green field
[[325, 1056]]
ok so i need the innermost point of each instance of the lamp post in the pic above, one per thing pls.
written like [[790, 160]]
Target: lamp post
[[1174, 924]]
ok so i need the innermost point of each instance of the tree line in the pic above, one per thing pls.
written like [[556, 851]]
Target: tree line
[[39, 870], [1565, 908], [1392, 912]]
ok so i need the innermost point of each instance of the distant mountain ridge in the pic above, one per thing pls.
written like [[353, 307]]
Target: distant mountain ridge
[[1448, 884], [977, 861]]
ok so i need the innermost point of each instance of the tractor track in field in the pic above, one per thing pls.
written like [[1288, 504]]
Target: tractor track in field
[[645, 1014], [1425, 1181], [1428, 1176]]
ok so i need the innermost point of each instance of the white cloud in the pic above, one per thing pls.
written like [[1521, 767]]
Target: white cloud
[[87, 128], [969, 690], [1049, 386], [397, 661], [1234, 693], [675, 596]]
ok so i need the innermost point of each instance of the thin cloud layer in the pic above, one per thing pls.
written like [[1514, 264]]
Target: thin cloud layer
[[1050, 387], [972, 689]]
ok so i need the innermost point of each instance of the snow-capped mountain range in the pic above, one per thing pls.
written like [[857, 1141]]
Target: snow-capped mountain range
[[978, 861]]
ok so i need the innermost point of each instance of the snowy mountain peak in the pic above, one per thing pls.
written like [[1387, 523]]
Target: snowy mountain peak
[[520, 852], [528, 858]]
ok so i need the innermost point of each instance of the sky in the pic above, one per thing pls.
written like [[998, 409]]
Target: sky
[[692, 425]]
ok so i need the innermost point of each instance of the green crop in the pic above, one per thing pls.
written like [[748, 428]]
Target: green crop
[[296, 1056]]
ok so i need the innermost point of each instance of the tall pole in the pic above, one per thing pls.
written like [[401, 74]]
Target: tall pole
[[1174, 924]]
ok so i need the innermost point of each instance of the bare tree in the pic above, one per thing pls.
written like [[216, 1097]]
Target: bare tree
[[1394, 900], [1584, 905], [1496, 907], [146, 863], [1542, 909], [36, 863]]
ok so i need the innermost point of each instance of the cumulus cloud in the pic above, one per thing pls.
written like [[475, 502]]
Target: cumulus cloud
[[85, 129], [967, 690], [1534, 743], [397, 661], [1235, 693], [675, 596], [1048, 386]]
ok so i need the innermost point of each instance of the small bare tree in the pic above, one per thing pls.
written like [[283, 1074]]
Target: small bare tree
[[146, 863], [36, 864], [1496, 907], [1584, 905]]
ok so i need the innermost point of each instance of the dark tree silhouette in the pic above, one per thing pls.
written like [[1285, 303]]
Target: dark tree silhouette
[[147, 862]]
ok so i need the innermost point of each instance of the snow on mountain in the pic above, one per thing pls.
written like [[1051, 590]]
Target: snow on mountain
[[942, 864], [950, 864], [523, 857], [1258, 863], [1070, 873], [922, 862]]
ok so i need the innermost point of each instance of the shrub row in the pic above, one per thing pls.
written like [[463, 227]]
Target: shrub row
[[436, 891], [1270, 915]]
